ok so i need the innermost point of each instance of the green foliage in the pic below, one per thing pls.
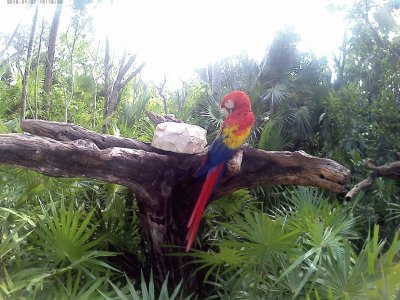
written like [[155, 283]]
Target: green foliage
[[66, 240], [226, 209], [264, 238], [132, 121], [76, 286], [371, 274], [73, 238], [303, 249], [53, 242], [147, 292], [273, 137], [277, 93]]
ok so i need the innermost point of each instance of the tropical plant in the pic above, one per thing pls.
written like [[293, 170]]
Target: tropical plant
[[303, 248], [273, 137], [66, 238], [81, 239], [146, 292]]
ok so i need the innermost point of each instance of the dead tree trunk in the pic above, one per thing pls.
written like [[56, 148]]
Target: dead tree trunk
[[341, 63], [10, 41], [160, 90], [51, 49], [36, 112], [95, 78], [112, 95], [25, 80], [216, 81], [162, 181]]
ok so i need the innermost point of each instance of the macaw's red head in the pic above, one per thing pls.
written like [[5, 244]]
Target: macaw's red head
[[236, 100]]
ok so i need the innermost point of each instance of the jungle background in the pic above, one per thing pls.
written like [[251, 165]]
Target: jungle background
[[71, 238]]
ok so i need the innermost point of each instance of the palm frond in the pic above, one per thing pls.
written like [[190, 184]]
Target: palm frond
[[226, 260], [394, 211], [78, 286], [299, 121], [261, 237], [68, 237], [324, 229], [273, 137], [340, 279], [146, 292], [213, 115], [276, 94]]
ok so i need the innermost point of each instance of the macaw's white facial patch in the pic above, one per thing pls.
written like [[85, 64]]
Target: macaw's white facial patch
[[229, 104], [228, 107]]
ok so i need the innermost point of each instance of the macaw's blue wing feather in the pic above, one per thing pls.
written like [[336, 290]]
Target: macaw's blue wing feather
[[217, 153]]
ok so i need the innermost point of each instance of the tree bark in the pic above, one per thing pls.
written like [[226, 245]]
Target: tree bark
[[25, 80], [162, 181]]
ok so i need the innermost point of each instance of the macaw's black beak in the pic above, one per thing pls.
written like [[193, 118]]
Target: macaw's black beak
[[226, 111]]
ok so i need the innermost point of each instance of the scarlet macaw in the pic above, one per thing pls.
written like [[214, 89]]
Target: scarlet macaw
[[233, 133]]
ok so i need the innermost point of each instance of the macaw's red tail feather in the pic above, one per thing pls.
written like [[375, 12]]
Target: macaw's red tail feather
[[206, 191]]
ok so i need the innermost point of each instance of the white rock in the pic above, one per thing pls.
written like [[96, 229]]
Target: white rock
[[180, 137]]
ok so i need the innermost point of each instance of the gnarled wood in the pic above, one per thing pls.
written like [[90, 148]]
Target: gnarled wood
[[69, 132], [163, 183]]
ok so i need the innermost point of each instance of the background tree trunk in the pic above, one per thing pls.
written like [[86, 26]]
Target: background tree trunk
[[341, 63], [95, 78], [216, 81], [160, 91], [112, 95], [36, 111], [72, 76], [10, 40], [77, 28], [25, 80], [50, 60], [106, 80]]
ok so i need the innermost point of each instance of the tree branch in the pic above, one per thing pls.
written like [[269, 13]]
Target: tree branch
[[163, 182], [80, 158], [133, 74], [126, 161], [390, 170], [384, 43], [10, 39], [286, 168], [69, 132], [384, 170]]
